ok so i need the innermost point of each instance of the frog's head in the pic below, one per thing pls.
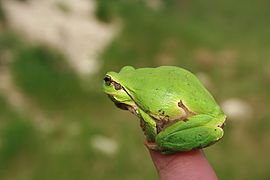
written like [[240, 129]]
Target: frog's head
[[115, 89]]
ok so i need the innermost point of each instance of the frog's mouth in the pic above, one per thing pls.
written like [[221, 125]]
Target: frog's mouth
[[123, 106], [222, 125], [117, 103]]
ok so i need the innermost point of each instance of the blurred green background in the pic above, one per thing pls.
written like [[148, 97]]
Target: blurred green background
[[55, 122]]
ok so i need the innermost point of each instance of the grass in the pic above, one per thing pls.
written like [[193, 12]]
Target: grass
[[18, 140], [54, 85], [2, 14]]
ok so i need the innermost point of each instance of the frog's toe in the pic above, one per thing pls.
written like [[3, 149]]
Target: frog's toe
[[151, 145]]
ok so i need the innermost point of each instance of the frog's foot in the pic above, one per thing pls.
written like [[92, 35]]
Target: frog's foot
[[198, 132], [151, 145]]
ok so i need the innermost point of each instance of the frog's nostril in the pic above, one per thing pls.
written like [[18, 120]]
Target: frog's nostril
[[108, 80]]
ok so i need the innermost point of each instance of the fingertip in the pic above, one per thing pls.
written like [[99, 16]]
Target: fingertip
[[183, 165]]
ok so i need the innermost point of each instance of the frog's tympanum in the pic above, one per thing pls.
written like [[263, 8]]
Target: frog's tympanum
[[176, 111]]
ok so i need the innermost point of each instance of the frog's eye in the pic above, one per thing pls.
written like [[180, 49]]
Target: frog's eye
[[117, 86], [108, 80]]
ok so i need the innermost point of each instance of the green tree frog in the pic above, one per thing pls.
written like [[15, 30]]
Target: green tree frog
[[176, 111]]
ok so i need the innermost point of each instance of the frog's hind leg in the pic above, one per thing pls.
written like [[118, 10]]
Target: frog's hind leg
[[197, 132]]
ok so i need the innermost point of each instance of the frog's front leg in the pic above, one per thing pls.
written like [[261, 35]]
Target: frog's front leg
[[197, 132], [148, 125]]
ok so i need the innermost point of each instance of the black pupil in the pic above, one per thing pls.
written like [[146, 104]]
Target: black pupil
[[107, 80]]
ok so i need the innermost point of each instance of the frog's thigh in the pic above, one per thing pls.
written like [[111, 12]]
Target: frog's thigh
[[197, 132]]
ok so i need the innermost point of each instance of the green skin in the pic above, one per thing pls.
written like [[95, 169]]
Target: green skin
[[177, 113]]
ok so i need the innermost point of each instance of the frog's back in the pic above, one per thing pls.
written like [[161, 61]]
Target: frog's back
[[162, 87]]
